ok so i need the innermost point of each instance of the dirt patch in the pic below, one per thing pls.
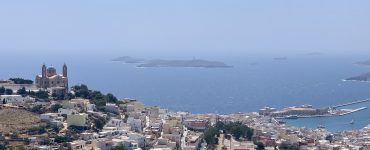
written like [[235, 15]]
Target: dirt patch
[[17, 119]]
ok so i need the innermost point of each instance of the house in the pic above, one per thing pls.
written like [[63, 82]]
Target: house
[[42, 147], [48, 116], [138, 138], [135, 124], [115, 123], [109, 107], [77, 119], [196, 124], [16, 99], [103, 144], [89, 136], [77, 104], [77, 145], [63, 111]]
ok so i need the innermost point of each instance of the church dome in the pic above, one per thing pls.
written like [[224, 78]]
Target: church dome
[[51, 71]]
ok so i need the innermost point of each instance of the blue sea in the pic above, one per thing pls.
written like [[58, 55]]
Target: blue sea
[[254, 82]]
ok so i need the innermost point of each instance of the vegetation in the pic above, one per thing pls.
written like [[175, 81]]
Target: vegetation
[[37, 109], [21, 81], [36, 130], [119, 147], [2, 90], [96, 97], [237, 129], [8, 91], [260, 146], [288, 146], [2, 147], [55, 107], [41, 94], [210, 136], [22, 91], [63, 139], [99, 122]]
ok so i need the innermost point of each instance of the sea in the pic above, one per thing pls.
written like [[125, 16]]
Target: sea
[[254, 81]]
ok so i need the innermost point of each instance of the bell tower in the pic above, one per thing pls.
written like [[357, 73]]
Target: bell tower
[[43, 71], [65, 71]]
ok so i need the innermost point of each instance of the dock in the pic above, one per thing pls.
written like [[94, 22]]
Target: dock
[[352, 111], [351, 103]]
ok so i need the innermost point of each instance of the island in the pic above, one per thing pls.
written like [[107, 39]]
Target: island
[[128, 59], [366, 63], [196, 63], [280, 58], [184, 63], [362, 77]]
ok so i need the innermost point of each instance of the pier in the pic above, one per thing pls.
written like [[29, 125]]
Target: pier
[[351, 103]]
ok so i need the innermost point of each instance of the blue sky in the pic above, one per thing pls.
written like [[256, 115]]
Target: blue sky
[[188, 26]]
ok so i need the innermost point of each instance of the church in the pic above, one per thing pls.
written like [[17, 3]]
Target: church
[[49, 79]]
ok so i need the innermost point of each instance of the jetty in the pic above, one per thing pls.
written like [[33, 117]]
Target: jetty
[[351, 103]]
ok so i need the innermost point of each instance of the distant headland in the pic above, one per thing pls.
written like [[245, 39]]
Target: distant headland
[[128, 59], [196, 63], [363, 77], [366, 63]]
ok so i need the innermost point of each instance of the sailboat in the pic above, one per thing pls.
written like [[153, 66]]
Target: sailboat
[[352, 122]]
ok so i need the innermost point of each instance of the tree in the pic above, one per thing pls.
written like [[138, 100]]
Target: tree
[[81, 91], [260, 146], [210, 136], [8, 91], [22, 91], [21, 81], [55, 107], [41, 94], [2, 147], [110, 98], [37, 109], [2, 90], [288, 146], [62, 139], [119, 147], [99, 122]]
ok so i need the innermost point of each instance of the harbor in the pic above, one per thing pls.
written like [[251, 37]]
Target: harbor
[[308, 111]]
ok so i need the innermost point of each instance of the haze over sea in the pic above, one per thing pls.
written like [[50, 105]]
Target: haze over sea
[[255, 81]]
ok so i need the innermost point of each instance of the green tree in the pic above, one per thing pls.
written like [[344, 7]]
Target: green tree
[[2, 90], [21, 81], [288, 146], [2, 147], [119, 147], [210, 136], [110, 98], [81, 91], [260, 146], [22, 91], [41, 94], [8, 91], [99, 122], [55, 107], [37, 109]]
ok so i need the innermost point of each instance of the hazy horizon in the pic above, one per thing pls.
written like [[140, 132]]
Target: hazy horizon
[[185, 27]]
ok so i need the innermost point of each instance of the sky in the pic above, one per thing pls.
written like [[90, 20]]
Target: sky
[[184, 26]]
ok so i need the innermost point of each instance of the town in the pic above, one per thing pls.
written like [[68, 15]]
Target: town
[[48, 114]]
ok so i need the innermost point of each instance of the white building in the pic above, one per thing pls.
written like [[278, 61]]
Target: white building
[[16, 99], [135, 124], [48, 116], [63, 111], [77, 145]]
